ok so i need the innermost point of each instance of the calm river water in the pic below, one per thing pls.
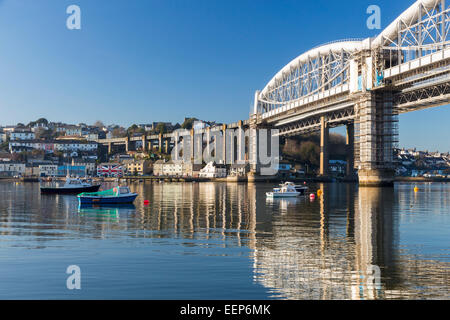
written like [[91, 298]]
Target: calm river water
[[226, 241]]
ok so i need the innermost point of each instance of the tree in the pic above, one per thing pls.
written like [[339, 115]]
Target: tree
[[99, 124], [42, 121], [135, 129], [161, 128], [119, 132], [42, 133], [309, 153], [188, 123]]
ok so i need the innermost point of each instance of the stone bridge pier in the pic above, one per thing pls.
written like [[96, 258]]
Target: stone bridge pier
[[377, 134]]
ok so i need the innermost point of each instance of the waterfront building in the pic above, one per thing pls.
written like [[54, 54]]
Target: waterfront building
[[238, 170], [89, 164], [73, 171], [48, 170], [158, 168], [170, 168], [284, 169], [138, 167], [12, 168], [337, 167], [31, 170], [176, 168], [213, 170], [191, 170]]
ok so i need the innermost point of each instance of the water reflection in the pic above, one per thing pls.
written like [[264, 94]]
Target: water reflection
[[312, 256], [345, 244]]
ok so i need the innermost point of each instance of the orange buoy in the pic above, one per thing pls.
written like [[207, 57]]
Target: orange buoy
[[416, 189], [319, 193]]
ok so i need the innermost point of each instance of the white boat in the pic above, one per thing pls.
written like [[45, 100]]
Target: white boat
[[71, 185], [286, 191], [299, 188]]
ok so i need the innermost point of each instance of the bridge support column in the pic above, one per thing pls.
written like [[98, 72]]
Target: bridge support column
[[166, 146], [324, 133], [144, 144], [377, 137], [253, 150], [208, 141], [160, 142], [224, 144], [192, 145], [109, 147], [350, 172], [240, 147], [198, 148]]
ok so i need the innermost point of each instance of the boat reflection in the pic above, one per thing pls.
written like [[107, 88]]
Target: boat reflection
[[105, 213], [283, 204]]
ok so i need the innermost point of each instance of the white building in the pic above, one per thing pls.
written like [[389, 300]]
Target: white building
[[213, 170], [65, 146], [26, 145], [169, 168], [12, 168], [38, 126], [48, 170], [22, 135]]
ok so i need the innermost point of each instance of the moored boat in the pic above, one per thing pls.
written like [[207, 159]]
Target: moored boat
[[116, 195], [302, 189], [70, 186], [286, 191]]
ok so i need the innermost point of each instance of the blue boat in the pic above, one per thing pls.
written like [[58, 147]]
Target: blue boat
[[117, 195]]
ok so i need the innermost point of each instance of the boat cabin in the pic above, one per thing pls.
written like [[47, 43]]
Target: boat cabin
[[121, 190]]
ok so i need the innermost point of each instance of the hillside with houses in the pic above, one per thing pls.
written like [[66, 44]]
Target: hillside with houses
[[54, 149]]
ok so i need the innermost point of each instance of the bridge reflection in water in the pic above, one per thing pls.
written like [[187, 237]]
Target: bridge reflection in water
[[344, 245]]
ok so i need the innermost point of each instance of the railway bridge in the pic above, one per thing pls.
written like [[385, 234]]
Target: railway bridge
[[363, 84]]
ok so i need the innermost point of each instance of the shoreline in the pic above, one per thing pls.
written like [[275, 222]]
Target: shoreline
[[240, 179]]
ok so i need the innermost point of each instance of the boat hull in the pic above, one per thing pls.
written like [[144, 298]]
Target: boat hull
[[75, 190], [83, 200], [301, 190], [282, 194]]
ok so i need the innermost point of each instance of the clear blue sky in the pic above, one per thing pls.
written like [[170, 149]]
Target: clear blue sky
[[138, 61]]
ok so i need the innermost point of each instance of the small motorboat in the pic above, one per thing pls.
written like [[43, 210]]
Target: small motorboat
[[117, 195], [299, 188], [70, 186], [286, 191]]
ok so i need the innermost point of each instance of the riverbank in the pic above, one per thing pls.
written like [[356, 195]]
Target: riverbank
[[254, 179]]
